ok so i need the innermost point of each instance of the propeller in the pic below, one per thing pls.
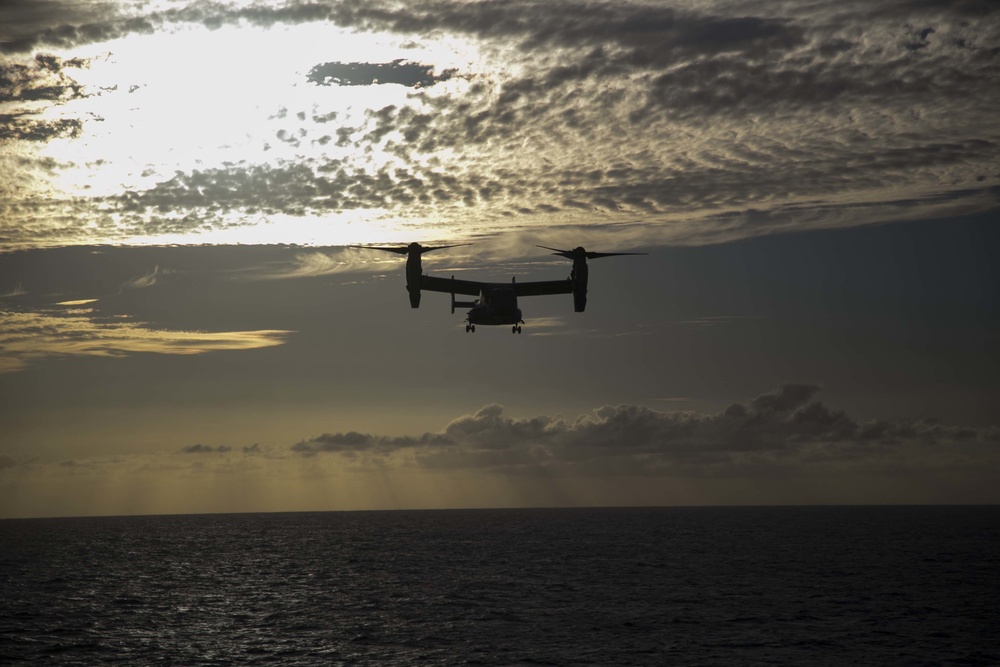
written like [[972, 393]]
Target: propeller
[[408, 249], [414, 271], [580, 252]]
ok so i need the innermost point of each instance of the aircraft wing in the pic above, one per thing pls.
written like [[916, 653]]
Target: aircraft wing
[[450, 285], [475, 287], [544, 287]]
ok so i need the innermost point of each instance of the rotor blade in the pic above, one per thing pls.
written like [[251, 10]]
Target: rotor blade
[[568, 254], [407, 249], [442, 247], [573, 254], [398, 251], [598, 255]]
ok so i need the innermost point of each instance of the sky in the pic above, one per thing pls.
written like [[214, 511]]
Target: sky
[[184, 327]]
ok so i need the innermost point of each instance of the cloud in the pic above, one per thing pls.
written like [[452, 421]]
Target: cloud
[[30, 24], [315, 263], [147, 280], [353, 443], [207, 449], [77, 302], [24, 127], [52, 31], [42, 79], [27, 335], [27, 88], [696, 125], [410, 74], [780, 433], [782, 446]]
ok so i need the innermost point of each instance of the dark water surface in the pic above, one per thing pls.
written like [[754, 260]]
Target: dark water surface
[[672, 586]]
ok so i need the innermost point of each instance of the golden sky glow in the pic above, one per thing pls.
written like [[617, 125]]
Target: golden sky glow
[[182, 327], [486, 459]]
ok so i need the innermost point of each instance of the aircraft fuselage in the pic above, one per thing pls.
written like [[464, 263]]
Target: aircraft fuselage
[[495, 307], [494, 316]]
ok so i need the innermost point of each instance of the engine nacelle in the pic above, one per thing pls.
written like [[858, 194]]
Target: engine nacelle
[[413, 273], [579, 277]]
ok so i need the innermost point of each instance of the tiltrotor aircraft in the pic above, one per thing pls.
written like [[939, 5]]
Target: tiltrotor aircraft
[[496, 304]]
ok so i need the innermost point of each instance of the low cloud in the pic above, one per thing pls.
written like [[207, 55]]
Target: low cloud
[[353, 443], [782, 446], [779, 433], [207, 449]]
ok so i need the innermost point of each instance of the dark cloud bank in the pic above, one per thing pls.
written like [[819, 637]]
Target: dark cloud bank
[[779, 433]]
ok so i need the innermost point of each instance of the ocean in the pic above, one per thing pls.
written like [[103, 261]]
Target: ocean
[[649, 586]]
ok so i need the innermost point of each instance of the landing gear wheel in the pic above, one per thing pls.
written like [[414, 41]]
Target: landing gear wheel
[[467, 328], [518, 328], [513, 329], [473, 327]]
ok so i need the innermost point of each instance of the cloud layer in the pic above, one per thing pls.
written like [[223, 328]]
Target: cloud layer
[[782, 433], [705, 122]]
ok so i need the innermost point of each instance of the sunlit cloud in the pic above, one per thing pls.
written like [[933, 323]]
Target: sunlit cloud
[[315, 263], [147, 280], [696, 124], [26, 336], [77, 302]]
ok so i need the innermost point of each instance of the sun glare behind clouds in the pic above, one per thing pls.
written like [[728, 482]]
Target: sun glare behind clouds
[[190, 101], [701, 124]]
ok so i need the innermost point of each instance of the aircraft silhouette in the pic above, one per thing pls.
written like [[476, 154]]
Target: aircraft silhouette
[[497, 302]]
